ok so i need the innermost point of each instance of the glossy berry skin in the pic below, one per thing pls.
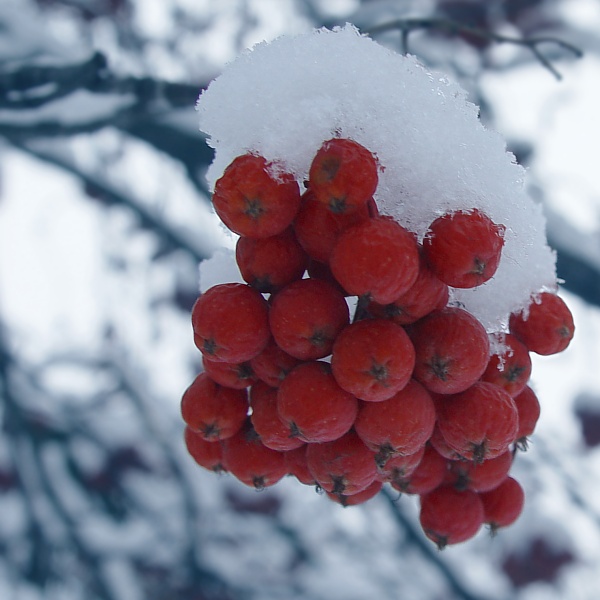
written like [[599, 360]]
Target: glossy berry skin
[[231, 323], [449, 516], [306, 317], [296, 465], [233, 375], [268, 264], [208, 455], [342, 466], [343, 175], [452, 350], [479, 477], [548, 328], [399, 425], [250, 461], [359, 498], [254, 202], [214, 411], [503, 505], [479, 423], [510, 368], [528, 408], [378, 259], [273, 364], [317, 227], [373, 359], [426, 294], [427, 476], [464, 248], [313, 405], [273, 432]]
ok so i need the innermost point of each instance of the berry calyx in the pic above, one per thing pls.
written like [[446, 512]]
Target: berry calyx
[[509, 368], [503, 505]]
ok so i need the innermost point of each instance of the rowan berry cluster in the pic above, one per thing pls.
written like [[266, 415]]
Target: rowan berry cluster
[[410, 392]]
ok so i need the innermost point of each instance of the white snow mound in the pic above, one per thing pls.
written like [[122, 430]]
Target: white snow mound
[[283, 99]]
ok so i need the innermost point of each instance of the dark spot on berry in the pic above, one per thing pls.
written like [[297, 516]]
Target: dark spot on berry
[[439, 366], [209, 347], [254, 208], [329, 167]]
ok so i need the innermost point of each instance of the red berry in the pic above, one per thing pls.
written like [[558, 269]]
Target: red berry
[[234, 375], [296, 464], [464, 248], [317, 228], [273, 364], [479, 423], [319, 270], [452, 350], [270, 263], [373, 359], [313, 405], [427, 476], [511, 368], [377, 258], [273, 432], [254, 199], [449, 517], [439, 443], [548, 327], [214, 411], [400, 467], [479, 477], [359, 498], [208, 455], [251, 461], [231, 323], [343, 175], [503, 505], [400, 425], [528, 407], [427, 294], [342, 466], [306, 317]]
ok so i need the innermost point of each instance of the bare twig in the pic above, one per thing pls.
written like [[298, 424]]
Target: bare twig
[[407, 26]]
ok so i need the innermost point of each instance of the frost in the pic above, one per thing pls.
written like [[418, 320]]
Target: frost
[[283, 99]]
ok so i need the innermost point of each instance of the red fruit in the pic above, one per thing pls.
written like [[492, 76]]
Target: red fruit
[[511, 368], [319, 270], [306, 317], [479, 423], [439, 443], [400, 467], [254, 199], [358, 498], [449, 517], [295, 462], [528, 407], [548, 328], [313, 405], [343, 175], [479, 477], [208, 455], [377, 258], [231, 323], [317, 227], [214, 411], [270, 263], [426, 294], [427, 476], [452, 350], [400, 425], [251, 461], [463, 248], [503, 505], [273, 432], [343, 466], [233, 375], [273, 364], [373, 359]]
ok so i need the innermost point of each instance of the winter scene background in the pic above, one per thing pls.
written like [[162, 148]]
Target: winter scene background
[[105, 217]]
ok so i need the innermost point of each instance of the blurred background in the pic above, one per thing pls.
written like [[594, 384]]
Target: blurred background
[[104, 218]]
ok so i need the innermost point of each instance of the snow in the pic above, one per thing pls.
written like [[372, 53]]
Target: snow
[[283, 99]]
